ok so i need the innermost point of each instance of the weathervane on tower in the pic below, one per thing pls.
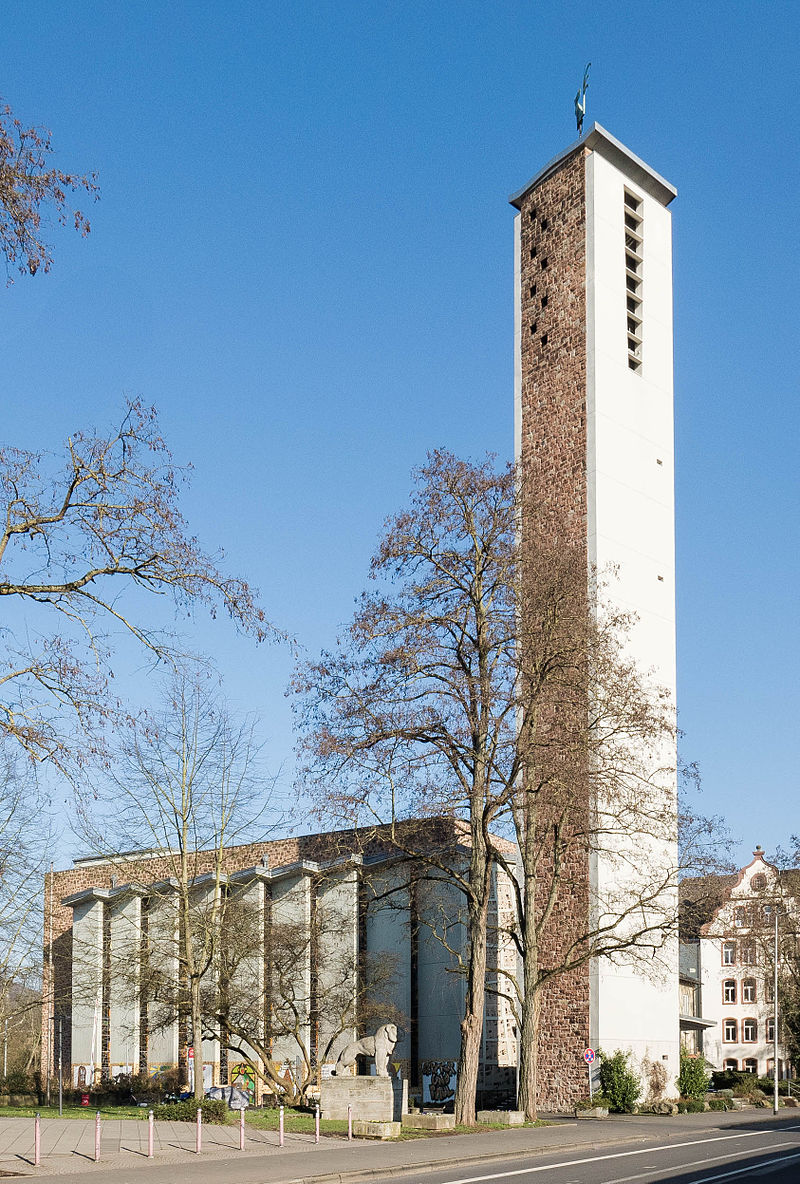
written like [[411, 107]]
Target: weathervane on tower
[[580, 100]]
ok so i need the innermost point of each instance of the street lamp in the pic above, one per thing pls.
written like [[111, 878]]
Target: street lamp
[[776, 912]]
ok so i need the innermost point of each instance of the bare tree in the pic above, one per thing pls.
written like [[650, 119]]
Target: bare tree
[[315, 988], [488, 680], [75, 536], [185, 786], [27, 188], [414, 715], [25, 834]]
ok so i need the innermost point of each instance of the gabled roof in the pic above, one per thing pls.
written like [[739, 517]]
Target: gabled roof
[[599, 140]]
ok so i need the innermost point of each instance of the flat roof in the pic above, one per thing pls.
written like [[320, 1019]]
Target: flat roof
[[599, 140]]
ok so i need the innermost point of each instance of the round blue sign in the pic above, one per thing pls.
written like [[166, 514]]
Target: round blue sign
[[588, 1056]]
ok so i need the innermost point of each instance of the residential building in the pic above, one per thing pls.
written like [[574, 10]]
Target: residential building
[[729, 921]]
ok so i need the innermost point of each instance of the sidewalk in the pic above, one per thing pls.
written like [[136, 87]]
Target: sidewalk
[[68, 1148]]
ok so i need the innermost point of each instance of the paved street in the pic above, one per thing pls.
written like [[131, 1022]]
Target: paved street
[[690, 1149]]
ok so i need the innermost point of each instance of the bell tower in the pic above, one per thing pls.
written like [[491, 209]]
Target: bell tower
[[594, 440]]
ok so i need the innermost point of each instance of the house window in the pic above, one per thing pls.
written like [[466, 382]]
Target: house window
[[749, 953], [729, 953], [730, 1030], [758, 882], [730, 1066], [749, 1031], [750, 1065], [729, 990], [634, 265], [688, 994], [769, 990], [739, 917], [771, 1030], [749, 990]]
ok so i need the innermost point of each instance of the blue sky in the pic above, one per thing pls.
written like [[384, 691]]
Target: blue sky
[[303, 257]]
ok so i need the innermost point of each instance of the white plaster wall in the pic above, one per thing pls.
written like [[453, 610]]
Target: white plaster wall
[[337, 905], [162, 1039], [291, 905], [124, 955], [631, 528], [87, 969]]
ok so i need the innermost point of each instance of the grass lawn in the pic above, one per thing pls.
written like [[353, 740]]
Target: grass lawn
[[294, 1121]]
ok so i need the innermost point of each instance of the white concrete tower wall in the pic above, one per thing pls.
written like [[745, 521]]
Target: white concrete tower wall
[[630, 530]]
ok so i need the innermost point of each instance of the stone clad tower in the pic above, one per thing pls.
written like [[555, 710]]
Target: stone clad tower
[[594, 437]]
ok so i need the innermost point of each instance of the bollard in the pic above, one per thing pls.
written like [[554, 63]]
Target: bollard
[[198, 1142], [350, 1124], [150, 1134], [316, 1124], [97, 1137], [241, 1130], [37, 1140], [280, 1126]]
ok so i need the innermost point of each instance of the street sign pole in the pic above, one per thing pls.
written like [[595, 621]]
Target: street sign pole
[[588, 1056]]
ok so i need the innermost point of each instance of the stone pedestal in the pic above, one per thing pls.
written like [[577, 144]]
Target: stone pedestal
[[379, 1099]]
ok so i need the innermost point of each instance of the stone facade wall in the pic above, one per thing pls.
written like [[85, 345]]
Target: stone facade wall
[[553, 462]]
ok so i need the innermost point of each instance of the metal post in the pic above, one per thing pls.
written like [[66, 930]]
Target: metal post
[[5, 1050], [198, 1142], [280, 1126], [97, 1137], [149, 1134], [591, 1090], [316, 1123], [241, 1130], [37, 1140], [775, 1033], [60, 1067], [350, 1124]]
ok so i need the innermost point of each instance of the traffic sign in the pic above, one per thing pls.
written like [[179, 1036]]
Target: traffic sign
[[190, 1054], [588, 1055]]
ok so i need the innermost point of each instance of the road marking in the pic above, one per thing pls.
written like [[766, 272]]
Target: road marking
[[751, 1167], [696, 1163], [571, 1163]]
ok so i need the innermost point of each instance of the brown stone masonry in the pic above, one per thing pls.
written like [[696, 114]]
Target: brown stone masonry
[[553, 357]]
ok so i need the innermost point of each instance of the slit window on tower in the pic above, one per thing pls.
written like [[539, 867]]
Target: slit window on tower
[[634, 267]]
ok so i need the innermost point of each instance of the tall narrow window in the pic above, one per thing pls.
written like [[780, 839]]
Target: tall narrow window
[[729, 990], [634, 267], [730, 1031], [749, 1031], [729, 953]]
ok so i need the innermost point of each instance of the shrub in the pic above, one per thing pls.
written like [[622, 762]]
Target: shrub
[[596, 1100], [214, 1111], [693, 1078], [730, 1079], [18, 1082], [691, 1106], [618, 1082], [717, 1104]]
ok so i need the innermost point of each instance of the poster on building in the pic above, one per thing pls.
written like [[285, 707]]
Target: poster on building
[[438, 1082]]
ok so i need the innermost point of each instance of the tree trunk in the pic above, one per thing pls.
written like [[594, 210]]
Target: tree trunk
[[472, 1023], [197, 1030], [531, 1005]]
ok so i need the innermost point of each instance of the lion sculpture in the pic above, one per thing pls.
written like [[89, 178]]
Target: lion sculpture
[[379, 1046]]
